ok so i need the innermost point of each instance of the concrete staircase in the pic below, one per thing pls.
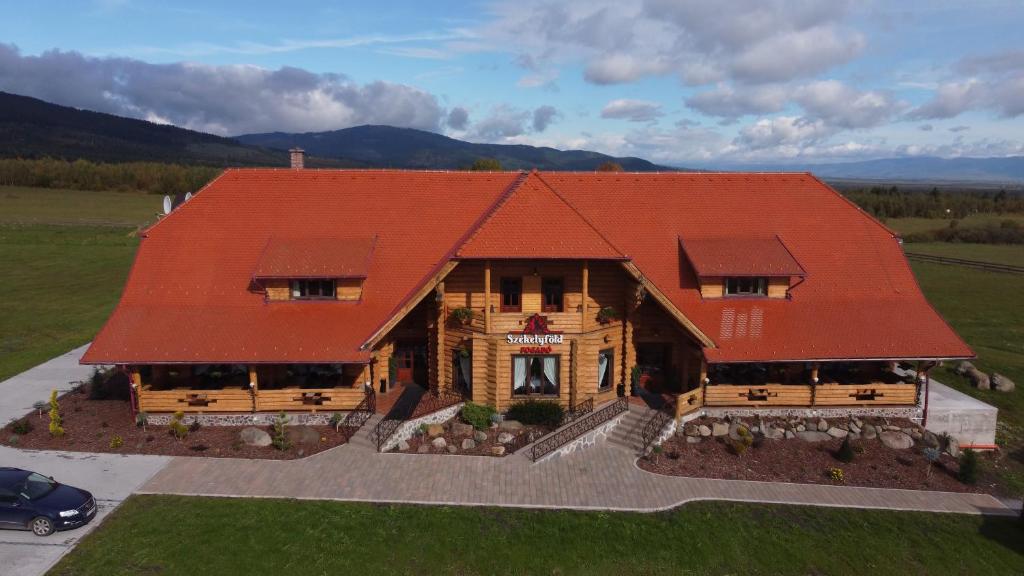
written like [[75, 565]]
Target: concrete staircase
[[363, 440], [626, 434]]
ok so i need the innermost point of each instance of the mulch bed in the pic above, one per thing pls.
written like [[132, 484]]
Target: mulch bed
[[481, 449], [802, 462], [91, 424]]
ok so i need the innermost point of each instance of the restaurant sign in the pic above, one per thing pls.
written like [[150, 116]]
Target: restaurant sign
[[535, 338]]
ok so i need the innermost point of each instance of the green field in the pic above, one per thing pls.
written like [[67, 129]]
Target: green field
[[1012, 254], [185, 535], [914, 225], [20, 205]]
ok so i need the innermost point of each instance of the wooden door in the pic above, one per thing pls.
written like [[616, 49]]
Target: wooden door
[[406, 360]]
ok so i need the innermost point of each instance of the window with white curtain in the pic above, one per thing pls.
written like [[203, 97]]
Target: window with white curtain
[[535, 374], [604, 369]]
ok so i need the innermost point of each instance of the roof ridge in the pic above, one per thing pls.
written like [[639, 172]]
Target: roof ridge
[[489, 213], [578, 213]]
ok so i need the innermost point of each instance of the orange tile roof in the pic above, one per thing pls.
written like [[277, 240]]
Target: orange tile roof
[[186, 298], [315, 258], [740, 256]]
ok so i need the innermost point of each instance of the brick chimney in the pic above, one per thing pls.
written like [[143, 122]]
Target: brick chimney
[[298, 158]]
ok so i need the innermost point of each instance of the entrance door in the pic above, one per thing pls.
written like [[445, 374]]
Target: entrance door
[[653, 361], [411, 361]]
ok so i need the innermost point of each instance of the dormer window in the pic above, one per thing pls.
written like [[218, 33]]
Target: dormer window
[[746, 286], [313, 289]]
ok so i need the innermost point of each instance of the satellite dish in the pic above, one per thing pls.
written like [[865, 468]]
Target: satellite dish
[[167, 204], [188, 196]]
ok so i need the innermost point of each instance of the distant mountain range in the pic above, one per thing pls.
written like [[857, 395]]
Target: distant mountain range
[[923, 168], [32, 128], [390, 147]]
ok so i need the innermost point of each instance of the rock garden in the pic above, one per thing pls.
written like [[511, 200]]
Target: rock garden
[[95, 417], [478, 430], [875, 452]]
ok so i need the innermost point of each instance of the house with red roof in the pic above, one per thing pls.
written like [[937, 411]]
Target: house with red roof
[[311, 290]]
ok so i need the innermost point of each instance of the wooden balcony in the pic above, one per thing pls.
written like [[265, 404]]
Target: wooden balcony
[[871, 394]]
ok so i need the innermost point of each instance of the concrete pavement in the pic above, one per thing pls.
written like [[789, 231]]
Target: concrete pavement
[[20, 392]]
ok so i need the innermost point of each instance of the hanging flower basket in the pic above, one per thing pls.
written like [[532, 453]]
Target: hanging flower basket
[[462, 315], [607, 315]]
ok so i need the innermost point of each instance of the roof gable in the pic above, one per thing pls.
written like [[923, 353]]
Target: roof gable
[[534, 221]]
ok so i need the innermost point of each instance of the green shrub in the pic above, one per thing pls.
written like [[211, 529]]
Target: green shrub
[[837, 475], [39, 407], [109, 384], [846, 452], [194, 426], [745, 441], [141, 420], [56, 427], [177, 427], [539, 412], [479, 415], [968, 473], [280, 437], [116, 442], [336, 420], [462, 315], [21, 427]]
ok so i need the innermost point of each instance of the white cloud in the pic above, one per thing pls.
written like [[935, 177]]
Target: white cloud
[[993, 82], [727, 102], [632, 110], [840, 105], [543, 116], [222, 99], [789, 131]]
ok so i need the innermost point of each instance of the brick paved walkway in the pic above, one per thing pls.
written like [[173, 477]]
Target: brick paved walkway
[[601, 477]]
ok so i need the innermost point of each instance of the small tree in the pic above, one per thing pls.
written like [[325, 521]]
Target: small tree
[[610, 166], [932, 456], [968, 467], [141, 419], [845, 453], [178, 428], [56, 428], [280, 439], [486, 165], [40, 406]]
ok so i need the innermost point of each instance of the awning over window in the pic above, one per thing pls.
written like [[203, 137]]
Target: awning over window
[[739, 256]]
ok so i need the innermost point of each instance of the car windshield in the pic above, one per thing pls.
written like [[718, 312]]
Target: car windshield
[[36, 486]]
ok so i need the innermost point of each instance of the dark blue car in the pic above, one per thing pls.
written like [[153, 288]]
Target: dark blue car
[[31, 501]]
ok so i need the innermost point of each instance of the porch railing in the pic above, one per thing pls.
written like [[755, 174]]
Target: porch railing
[[656, 423], [577, 428], [355, 419], [578, 410]]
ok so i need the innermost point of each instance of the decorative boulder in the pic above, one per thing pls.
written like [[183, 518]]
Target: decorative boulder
[[498, 450], [439, 442], [480, 436], [302, 435], [854, 427], [461, 429], [402, 446], [451, 449], [252, 436], [512, 425], [964, 367], [837, 432], [423, 449], [693, 439], [953, 447], [773, 433], [930, 439], [468, 444], [434, 430], [691, 430], [896, 440], [719, 429], [870, 432], [979, 379], [822, 425], [704, 430], [800, 428], [505, 438], [1001, 383], [790, 434]]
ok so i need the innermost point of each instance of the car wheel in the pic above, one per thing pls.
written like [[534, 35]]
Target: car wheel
[[41, 526]]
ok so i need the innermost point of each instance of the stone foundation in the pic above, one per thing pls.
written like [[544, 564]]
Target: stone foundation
[[908, 412], [256, 419]]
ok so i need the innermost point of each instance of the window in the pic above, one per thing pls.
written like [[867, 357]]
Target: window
[[746, 286], [605, 367], [511, 294], [462, 371], [553, 292], [535, 375], [312, 289]]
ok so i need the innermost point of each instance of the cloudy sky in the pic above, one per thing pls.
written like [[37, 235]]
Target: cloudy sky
[[692, 83]]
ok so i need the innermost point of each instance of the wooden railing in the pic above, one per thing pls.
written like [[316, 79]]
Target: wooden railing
[[186, 400], [308, 399], [689, 402], [731, 395], [355, 419], [577, 428]]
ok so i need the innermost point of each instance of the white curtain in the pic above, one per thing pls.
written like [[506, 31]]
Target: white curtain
[[519, 367], [466, 366], [551, 373], [602, 367]]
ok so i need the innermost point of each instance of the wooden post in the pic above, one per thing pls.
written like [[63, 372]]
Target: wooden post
[[254, 388], [586, 296], [487, 296], [814, 382], [136, 377], [627, 343], [439, 352], [703, 377]]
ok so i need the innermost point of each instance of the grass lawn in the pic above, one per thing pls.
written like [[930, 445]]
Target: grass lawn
[[1012, 254], [914, 225], [185, 535], [23, 205]]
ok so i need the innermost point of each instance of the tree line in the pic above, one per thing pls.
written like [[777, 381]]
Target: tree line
[[893, 202], [152, 177]]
